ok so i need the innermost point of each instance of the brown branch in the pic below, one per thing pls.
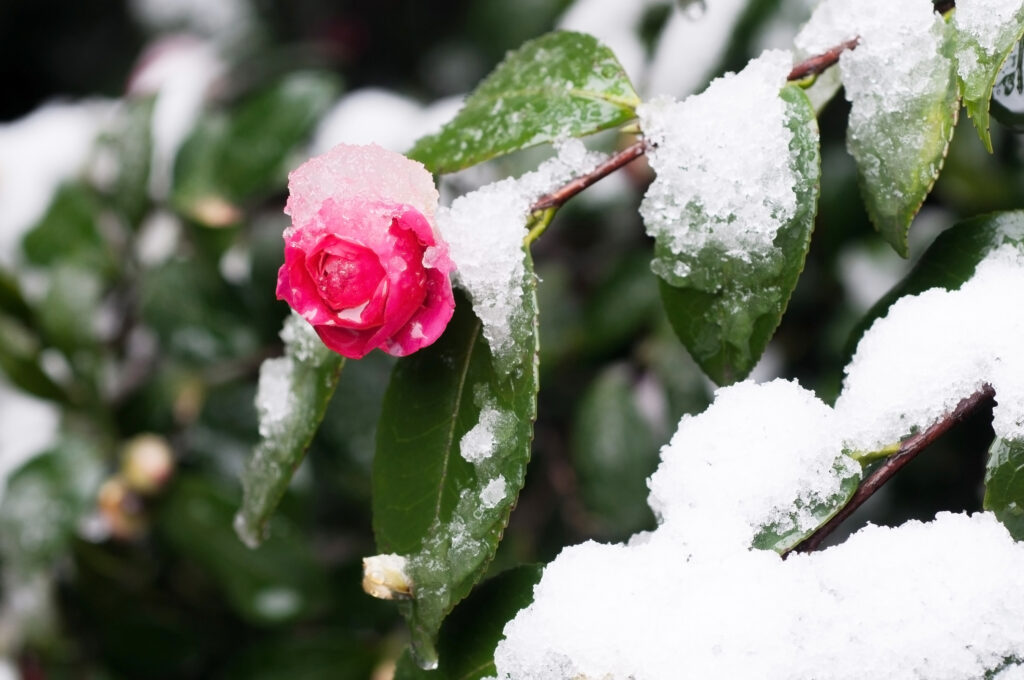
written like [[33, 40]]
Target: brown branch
[[559, 196], [818, 63], [909, 448]]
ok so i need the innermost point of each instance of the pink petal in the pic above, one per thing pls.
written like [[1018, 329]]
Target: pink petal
[[354, 344], [429, 321]]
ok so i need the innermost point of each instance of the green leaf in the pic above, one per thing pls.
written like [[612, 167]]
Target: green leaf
[[443, 512], [900, 152], [293, 395], [979, 67], [560, 85], [236, 156], [68, 233], [614, 452], [949, 262], [471, 634], [781, 536], [277, 583], [725, 310], [1004, 484]]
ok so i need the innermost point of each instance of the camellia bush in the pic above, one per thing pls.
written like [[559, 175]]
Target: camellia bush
[[699, 451]]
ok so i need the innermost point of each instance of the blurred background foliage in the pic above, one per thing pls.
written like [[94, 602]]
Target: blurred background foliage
[[144, 147]]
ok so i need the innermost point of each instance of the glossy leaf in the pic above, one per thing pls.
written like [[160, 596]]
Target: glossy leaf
[[1004, 484], [430, 504], [949, 262], [293, 395], [979, 67], [471, 634], [900, 152], [726, 327], [614, 452], [560, 85], [239, 155], [781, 537], [277, 583]]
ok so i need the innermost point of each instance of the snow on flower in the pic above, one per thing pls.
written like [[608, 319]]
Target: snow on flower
[[364, 263]]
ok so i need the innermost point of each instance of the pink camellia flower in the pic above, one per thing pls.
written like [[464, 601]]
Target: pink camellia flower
[[363, 262]]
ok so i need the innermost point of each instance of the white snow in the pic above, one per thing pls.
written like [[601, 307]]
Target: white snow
[[181, 70], [721, 483], [28, 426], [478, 444], [934, 349], [990, 23], [302, 342], [720, 182], [989, 27], [226, 21], [376, 116], [37, 153], [493, 493], [895, 76], [274, 403], [889, 603], [692, 599], [485, 231]]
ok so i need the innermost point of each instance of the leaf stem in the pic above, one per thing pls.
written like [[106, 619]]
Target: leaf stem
[[908, 450], [539, 222]]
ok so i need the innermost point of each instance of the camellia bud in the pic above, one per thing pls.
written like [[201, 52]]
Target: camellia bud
[[384, 577], [147, 462]]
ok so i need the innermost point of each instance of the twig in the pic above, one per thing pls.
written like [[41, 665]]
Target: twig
[[909, 448], [818, 63], [558, 197], [564, 193]]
